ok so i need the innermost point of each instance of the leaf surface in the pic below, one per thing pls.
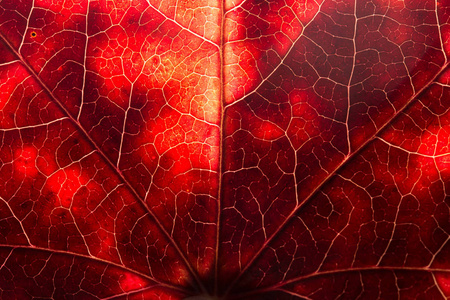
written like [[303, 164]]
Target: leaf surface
[[238, 149]]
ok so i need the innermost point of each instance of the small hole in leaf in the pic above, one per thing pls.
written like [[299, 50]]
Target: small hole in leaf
[[33, 34]]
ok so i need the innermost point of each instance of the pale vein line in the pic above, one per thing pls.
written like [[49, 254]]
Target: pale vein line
[[349, 145], [84, 64], [440, 31], [34, 126], [410, 152], [9, 63], [439, 250], [280, 64], [438, 287], [298, 295], [6, 259], [221, 144], [17, 219], [234, 8], [27, 26], [125, 122]]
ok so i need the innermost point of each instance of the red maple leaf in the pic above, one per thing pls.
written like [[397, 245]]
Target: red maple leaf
[[288, 149]]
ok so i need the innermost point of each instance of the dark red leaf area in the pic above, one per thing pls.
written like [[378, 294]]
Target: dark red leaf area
[[28, 272], [358, 284], [346, 76], [388, 207], [367, 285], [243, 149]]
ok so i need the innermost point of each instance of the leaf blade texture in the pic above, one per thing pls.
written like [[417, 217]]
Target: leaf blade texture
[[238, 149]]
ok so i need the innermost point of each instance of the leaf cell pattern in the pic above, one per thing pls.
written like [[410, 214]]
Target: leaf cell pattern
[[239, 149]]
